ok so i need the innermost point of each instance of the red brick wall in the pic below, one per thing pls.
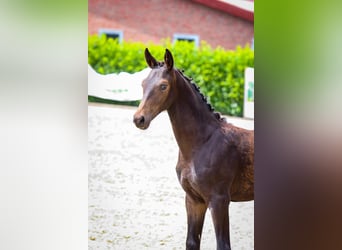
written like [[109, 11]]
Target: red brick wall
[[143, 20]]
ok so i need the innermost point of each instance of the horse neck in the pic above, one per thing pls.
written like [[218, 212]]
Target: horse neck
[[191, 120]]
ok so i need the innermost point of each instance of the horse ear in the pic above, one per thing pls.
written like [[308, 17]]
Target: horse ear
[[151, 61], [168, 59]]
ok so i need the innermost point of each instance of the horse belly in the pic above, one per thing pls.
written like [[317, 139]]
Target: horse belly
[[242, 188]]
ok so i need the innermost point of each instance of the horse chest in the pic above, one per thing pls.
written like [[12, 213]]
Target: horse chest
[[188, 174], [190, 180]]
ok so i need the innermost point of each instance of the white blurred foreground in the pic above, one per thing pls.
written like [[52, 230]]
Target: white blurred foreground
[[135, 199]]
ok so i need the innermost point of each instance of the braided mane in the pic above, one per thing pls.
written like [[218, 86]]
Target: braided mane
[[203, 98]]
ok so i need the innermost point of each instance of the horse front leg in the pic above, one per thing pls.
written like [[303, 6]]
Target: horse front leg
[[220, 214], [195, 215]]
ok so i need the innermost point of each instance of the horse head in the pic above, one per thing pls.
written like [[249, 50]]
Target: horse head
[[157, 89]]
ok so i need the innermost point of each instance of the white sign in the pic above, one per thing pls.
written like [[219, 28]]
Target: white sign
[[248, 107], [119, 87]]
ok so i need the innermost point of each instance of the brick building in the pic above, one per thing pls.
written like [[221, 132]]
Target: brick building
[[220, 23]]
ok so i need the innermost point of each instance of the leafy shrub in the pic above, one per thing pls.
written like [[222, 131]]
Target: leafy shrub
[[218, 72]]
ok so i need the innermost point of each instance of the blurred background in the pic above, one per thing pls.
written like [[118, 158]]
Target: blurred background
[[211, 40], [44, 102], [219, 23], [135, 199]]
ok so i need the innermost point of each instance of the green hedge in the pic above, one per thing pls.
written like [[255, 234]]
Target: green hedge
[[219, 72]]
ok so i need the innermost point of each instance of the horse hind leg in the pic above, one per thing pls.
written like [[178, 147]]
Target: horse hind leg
[[220, 216], [195, 215]]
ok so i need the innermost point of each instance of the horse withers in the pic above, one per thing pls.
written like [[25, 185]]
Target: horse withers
[[216, 159]]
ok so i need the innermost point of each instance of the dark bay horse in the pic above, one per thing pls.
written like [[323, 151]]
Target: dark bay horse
[[216, 159]]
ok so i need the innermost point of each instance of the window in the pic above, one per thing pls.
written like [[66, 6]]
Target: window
[[186, 37], [114, 34]]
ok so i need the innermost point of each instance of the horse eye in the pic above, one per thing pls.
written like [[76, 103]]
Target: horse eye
[[163, 87]]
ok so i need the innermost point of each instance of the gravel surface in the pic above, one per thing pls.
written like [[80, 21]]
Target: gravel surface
[[135, 200]]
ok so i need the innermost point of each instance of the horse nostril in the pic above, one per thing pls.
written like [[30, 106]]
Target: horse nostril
[[142, 120], [139, 121]]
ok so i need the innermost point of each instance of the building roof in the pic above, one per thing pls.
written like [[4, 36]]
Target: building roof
[[240, 8]]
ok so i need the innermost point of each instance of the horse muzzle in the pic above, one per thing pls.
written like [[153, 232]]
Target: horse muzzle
[[140, 121]]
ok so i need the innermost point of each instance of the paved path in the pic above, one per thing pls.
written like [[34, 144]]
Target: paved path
[[135, 200]]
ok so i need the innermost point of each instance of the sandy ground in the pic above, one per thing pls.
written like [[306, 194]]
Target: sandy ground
[[135, 200]]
